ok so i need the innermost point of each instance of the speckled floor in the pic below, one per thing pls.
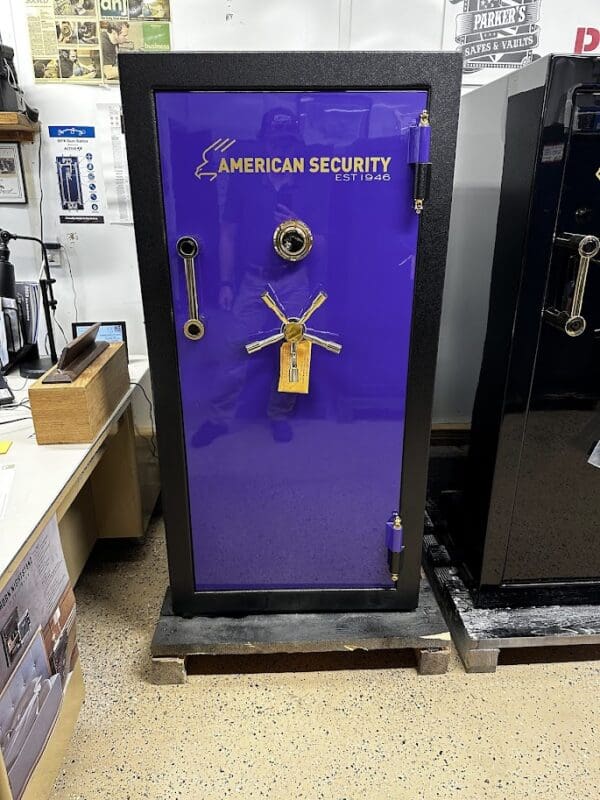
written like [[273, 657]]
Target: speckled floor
[[529, 731]]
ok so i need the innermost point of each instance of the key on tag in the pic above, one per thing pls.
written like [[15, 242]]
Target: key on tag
[[294, 367], [293, 363]]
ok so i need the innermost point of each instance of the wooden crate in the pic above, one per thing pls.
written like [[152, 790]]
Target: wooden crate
[[74, 413]]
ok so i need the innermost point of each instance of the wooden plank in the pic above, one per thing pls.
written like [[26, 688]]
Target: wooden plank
[[479, 634], [116, 486], [17, 127], [78, 532], [422, 631]]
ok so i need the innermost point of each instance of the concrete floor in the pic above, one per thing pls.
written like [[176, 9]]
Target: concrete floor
[[379, 731]]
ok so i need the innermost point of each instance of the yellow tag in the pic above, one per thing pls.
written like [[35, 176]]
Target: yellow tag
[[302, 365], [4, 447]]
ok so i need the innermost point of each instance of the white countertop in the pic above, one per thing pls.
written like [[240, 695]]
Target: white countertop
[[42, 471]]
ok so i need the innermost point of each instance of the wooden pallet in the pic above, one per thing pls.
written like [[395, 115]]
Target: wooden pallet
[[479, 634], [177, 639]]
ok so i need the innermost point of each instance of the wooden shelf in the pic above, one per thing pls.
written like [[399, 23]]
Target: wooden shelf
[[17, 127]]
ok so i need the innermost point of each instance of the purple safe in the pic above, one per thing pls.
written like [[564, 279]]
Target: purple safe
[[291, 217]]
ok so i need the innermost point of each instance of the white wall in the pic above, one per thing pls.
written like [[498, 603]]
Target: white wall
[[103, 257]]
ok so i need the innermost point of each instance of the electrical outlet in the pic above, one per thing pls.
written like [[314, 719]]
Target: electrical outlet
[[54, 254]]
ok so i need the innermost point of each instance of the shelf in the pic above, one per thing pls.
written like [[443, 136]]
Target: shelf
[[17, 127]]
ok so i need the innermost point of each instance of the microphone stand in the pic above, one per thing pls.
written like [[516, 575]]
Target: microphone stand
[[38, 365]]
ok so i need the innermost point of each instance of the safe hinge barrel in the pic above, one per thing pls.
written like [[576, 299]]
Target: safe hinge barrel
[[394, 542], [418, 155]]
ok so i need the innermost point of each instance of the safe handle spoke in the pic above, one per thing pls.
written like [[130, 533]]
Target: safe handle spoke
[[271, 303], [317, 302], [259, 344], [328, 344]]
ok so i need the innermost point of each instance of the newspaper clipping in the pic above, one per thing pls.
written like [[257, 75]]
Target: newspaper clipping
[[78, 41]]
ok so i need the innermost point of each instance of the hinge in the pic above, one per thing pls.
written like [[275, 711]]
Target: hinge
[[394, 541], [418, 156]]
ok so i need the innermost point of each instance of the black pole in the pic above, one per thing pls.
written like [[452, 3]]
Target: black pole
[[48, 302]]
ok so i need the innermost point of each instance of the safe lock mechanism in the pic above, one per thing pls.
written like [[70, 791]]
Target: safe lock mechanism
[[187, 248], [570, 320], [292, 240], [297, 341]]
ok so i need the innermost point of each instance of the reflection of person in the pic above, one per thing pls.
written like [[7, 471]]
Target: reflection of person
[[252, 212]]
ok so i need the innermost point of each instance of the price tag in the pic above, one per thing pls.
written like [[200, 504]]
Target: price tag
[[301, 371]]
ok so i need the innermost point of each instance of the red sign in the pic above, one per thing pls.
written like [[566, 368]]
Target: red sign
[[586, 40]]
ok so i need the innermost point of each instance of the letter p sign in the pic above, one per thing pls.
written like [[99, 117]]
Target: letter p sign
[[592, 43]]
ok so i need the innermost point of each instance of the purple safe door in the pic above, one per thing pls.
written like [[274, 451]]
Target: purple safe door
[[291, 489]]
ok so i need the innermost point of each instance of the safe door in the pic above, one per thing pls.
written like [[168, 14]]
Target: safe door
[[556, 512], [292, 221]]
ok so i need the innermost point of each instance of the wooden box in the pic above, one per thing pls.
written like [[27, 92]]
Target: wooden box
[[74, 413]]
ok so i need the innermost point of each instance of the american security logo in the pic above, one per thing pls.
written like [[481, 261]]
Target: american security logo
[[214, 162], [500, 34], [208, 157]]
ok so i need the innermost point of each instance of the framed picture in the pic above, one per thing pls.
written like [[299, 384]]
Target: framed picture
[[12, 180]]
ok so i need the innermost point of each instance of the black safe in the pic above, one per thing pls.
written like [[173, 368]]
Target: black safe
[[520, 513]]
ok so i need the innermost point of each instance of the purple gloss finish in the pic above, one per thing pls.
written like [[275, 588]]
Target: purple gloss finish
[[292, 491]]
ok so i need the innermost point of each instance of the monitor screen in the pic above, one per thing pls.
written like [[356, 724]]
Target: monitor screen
[[112, 332]]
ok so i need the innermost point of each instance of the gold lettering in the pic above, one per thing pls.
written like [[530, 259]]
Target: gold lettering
[[248, 164], [236, 165], [223, 165], [336, 162], [287, 165], [275, 164], [359, 164], [385, 160], [259, 165], [314, 164], [298, 165], [324, 164]]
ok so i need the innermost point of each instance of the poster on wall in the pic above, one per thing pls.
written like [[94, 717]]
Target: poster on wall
[[111, 136], [495, 36], [74, 153], [38, 652], [78, 41], [12, 181]]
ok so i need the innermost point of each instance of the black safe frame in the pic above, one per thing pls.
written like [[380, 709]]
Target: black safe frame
[[143, 74]]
